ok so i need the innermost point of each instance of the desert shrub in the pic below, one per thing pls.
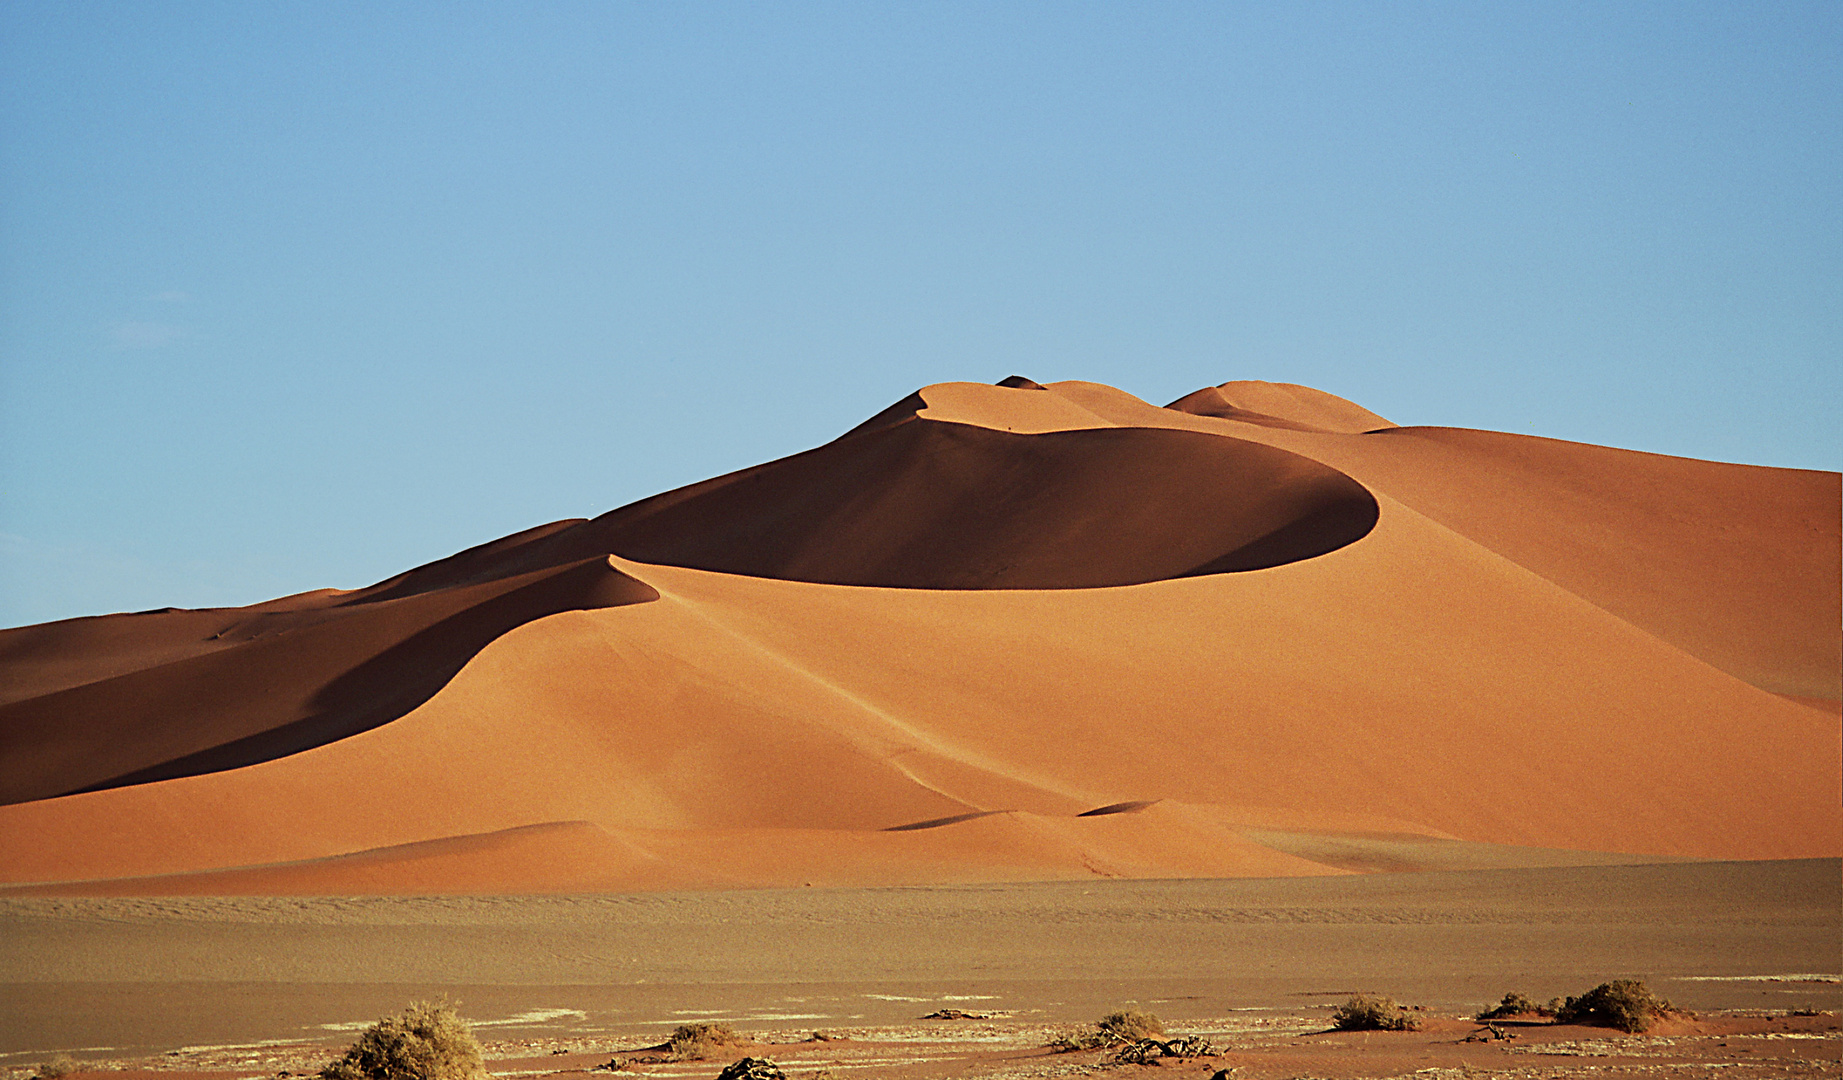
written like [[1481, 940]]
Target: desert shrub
[[1125, 1026], [752, 1069], [60, 1066], [1071, 1041], [695, 1042], [425, 1042], [1128, 1025], [1373, 1014], [1625, 1004], [1514, 1004], [1148, 1051]]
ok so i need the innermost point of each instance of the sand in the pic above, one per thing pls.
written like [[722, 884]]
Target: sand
[[149, 975]]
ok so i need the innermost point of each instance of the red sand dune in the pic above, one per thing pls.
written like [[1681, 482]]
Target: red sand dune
[[1261, 613], [278, 683]]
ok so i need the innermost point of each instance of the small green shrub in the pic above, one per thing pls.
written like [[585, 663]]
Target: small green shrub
[[695, 1042], [1625, 1004], [1514, 1004], [1373, 1014], [425, 1042]]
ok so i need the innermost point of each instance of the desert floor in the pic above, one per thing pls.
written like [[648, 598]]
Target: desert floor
[[255, 986]]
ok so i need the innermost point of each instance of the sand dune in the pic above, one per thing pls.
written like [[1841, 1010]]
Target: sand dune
[[1738, 565], [1295, 638], [278, 685], [577, 856], [1161, 840], [1280, 405]]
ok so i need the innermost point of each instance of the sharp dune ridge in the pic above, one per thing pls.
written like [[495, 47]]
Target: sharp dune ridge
[[1011, 632]]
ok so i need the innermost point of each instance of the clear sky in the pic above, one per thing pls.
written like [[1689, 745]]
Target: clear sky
[[301, 295]]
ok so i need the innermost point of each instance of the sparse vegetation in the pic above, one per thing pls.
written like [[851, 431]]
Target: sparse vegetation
[[1373, 1014], [60, 1066], [1515, 1004], [1625, 1004], [425, 1042], [695, 1042], [1146, 1051], [1114, 1029], [1129, 1024], [750, 1068]]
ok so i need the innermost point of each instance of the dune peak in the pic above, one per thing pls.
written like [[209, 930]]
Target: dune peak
[[1280, 405]]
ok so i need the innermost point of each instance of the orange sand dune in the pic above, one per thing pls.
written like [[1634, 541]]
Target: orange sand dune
[[1738, 565], [271, 690], [1161, 841], [1281, 405], [1006, 606]]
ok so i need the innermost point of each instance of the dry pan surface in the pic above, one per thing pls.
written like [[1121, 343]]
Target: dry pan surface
[[1284, 1043], [127, 979]]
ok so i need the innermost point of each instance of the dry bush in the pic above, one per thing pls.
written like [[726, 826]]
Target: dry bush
[[1514, 1004], [695, 1042], [60, 1066], [1125, 1026], [1373, 1014], [1128, 1025], [1625, 1004], [1149, 1051], [425, 1042], [1071, 1041], [752, 1069]]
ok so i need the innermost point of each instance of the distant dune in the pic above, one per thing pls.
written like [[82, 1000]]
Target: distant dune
[[1269, 632]]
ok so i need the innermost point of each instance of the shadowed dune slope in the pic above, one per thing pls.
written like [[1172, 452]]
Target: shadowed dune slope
[[948, 506], [276, 691], [917, 503], [930, 650]]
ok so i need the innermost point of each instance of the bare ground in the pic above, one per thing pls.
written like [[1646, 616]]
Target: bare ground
[[559, 984]]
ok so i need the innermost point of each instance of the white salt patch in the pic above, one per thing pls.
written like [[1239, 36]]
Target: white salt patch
[[1760, 978], [535, 1016]]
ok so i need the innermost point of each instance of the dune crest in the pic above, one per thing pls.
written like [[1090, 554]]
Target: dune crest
[[1024, 631], [1280, 405]]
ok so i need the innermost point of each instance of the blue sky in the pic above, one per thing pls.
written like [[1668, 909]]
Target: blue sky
[[300, 295]]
